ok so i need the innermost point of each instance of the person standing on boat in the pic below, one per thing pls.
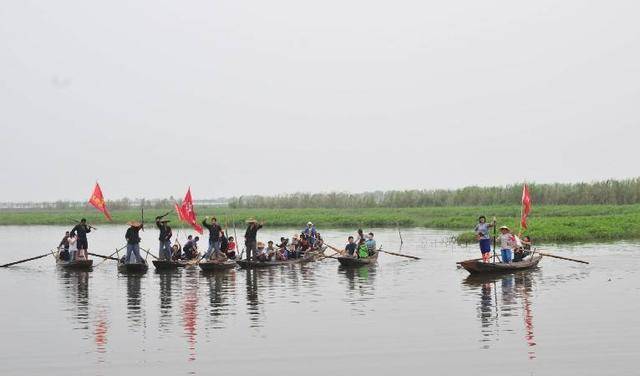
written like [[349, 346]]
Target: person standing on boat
[[73, 247], [310, 232], [165, 238], [214, 237], [81, 230], [507, 243], [250, 237], [133, 242], [482, 234]]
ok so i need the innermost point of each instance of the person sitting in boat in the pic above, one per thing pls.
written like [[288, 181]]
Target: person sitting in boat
[[319, 241], [133, 243], [231, 248], [271, 250], [507, 243], [262, 254], [482, 234], [283, 247], [525, 250], [303, 245], [293, 247], [190, 248], [176, 252], [351, 246], [370, 243], [63, 247], [363, 250]]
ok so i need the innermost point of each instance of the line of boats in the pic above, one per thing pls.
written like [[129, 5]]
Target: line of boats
[[212, 266]]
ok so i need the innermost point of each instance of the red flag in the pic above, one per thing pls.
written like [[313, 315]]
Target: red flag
[[188, 213], [97, 200], [526, 206]]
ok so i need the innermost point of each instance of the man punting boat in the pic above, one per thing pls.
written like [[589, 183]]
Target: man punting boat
[[250, 237], [165, 250], [133, 243], [215, 240], [80, 231]]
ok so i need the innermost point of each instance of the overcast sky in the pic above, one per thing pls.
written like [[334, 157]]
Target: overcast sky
[[261, 97]]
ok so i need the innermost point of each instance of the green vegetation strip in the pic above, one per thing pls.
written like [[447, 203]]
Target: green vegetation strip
[[564, 223]]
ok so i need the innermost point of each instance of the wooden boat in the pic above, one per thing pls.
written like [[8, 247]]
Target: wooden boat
[[75, 264], [132, 268], [210, 266], [308, 257], [172, 264], [478, 267], [353, 262]]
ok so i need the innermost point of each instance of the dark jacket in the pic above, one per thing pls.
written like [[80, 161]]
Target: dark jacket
[[132, 235], [81, 231], [64, 242], [165, 231], [252, 233], [214, 230]]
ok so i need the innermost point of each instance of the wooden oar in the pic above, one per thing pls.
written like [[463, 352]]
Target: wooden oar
[[330, 256], [149, 253], [341, 251], [25, 260], [563, 258], [102, 256], [400, 254], [111, 255]]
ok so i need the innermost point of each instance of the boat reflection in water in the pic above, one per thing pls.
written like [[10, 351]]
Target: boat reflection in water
[[75, 286], [135, 309], [170, 281], [221, 289], [360, 286], [502, 298]]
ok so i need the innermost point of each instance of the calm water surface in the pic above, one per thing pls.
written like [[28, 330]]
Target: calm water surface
[[402, 316]]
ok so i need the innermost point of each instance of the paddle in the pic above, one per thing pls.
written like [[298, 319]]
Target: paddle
[[494, 239], [111, 255], [399, 254], [340, 251], [149, 253], [102, 256], [563, 258], [25, 260]]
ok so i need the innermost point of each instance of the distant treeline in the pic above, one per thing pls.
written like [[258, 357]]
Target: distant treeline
[[123, 203], [610, 192]]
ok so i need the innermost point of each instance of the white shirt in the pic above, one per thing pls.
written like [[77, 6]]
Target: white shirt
[[507, 241]]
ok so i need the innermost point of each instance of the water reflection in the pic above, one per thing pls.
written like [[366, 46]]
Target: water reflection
[[76, 290], [221, 288], [190, 311], [167, 280], [499, 305], [360, 285], [135, 309]]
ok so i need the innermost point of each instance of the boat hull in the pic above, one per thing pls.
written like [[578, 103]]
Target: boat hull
[[76, 264], [211, 266], [479, 267], [253, 264], [168, 265], [352, 262], [137, 268]]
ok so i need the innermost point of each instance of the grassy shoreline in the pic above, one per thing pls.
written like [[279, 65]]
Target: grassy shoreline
[[552, 223]]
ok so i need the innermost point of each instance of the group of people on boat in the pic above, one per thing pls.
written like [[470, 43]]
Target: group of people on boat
[[74, 244], [363, 248], [309, 240], [513, 248]]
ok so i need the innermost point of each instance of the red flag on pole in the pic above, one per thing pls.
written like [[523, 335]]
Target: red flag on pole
[[526, 206], [179, 212], [188, 212], [97, 200]]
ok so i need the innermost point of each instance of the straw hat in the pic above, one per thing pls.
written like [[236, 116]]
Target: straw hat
[[309, 224], [260, 244], [505, 228], [251, 220], [134, 223]]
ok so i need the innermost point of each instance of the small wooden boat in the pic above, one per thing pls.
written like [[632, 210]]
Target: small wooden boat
[[478, 267], [75, 264], [308, 257], [354, 262], [211, 266], [134, 268], [173, 264]]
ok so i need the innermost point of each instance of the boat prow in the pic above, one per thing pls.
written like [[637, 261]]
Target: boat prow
[[211, 266], [479, 267]]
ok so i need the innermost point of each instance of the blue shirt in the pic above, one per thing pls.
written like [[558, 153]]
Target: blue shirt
[[483, 228]]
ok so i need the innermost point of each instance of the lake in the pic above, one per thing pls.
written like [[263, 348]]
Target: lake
[[402, 316]]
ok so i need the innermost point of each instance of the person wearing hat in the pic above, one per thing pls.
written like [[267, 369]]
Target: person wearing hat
[[507, 242], [250, 237], [262, 253], [133, 242], [165, 238], [214, 238], [482, 234], [310, 233]]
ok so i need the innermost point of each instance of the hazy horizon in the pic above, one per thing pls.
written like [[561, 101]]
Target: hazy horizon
[[241, 98]]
